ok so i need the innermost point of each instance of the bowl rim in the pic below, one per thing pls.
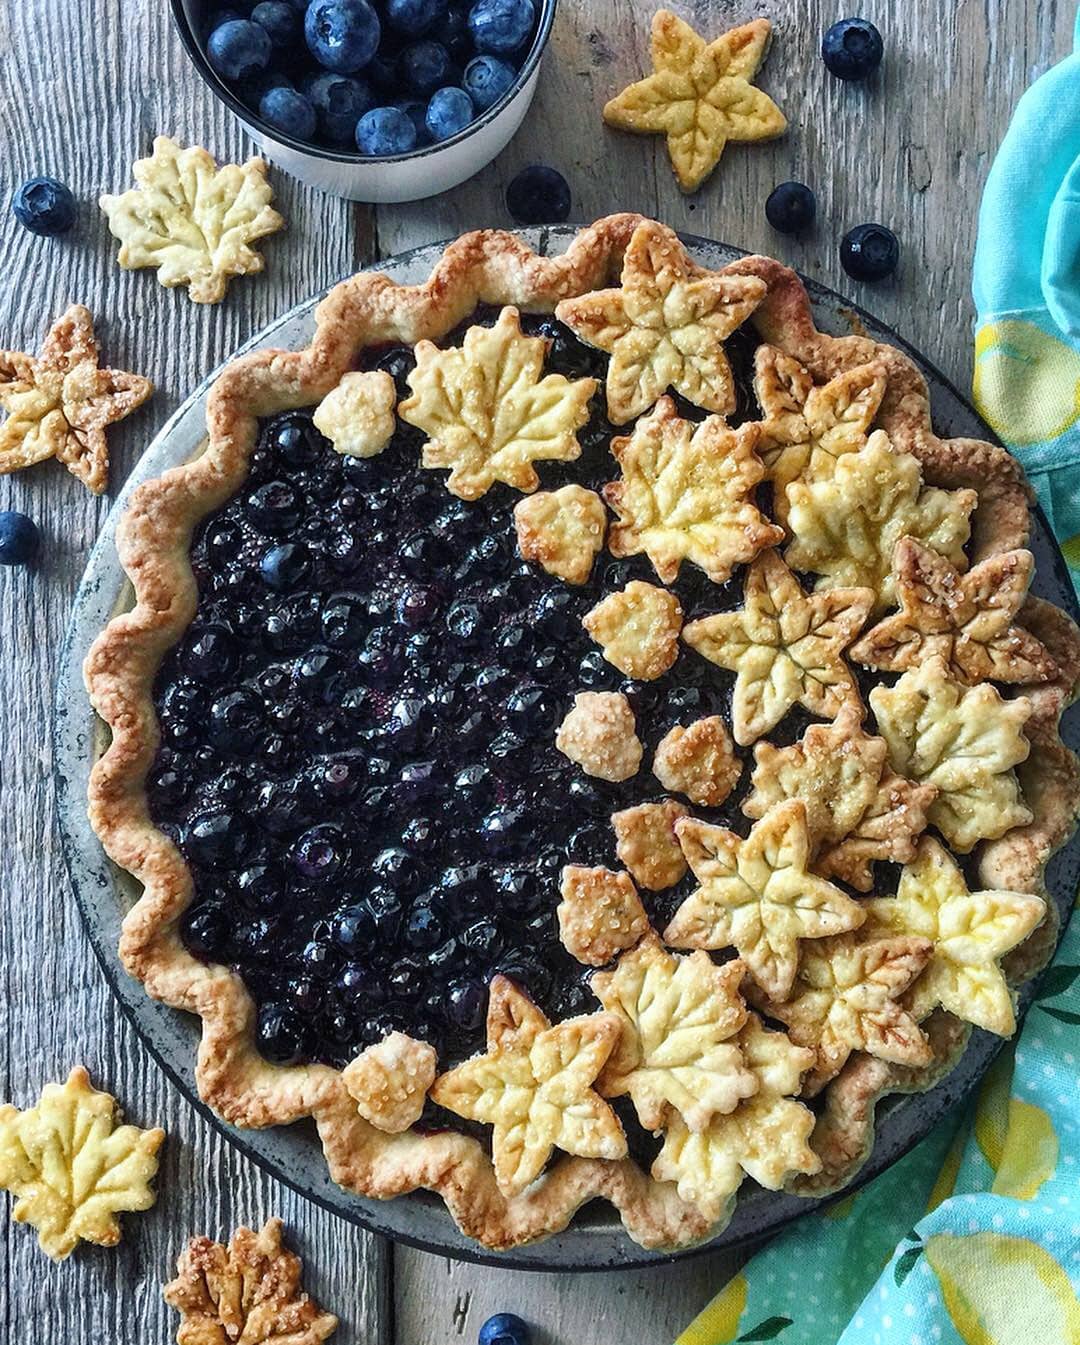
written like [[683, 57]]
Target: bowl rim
[[261, 128]]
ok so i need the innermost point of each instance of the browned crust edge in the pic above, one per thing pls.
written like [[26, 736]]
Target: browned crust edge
[[153, 541]]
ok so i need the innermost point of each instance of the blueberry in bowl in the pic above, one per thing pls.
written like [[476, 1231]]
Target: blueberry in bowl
[[321, 85]]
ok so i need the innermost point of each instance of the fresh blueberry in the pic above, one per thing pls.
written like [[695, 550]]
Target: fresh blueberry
[[852, 49], [342, 35], [19, 538], [385, 131], [239, 49], [486, 79], [281, 1035], [791, 207], [538, 195], [869, 252], [339, 104], [425, 66], [44, 206], [413, 16], [416, 111], [288, 111], [500, 26], [285, 565], [449, 112], [381, 72], [505, 1328], [280, 19]]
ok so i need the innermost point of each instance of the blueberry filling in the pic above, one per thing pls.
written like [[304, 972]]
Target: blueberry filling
[[357, 756]]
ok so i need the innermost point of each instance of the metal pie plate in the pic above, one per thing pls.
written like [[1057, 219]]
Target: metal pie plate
[[595, 1239]]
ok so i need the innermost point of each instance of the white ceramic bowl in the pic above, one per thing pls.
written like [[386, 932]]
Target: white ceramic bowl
[[423, 172]]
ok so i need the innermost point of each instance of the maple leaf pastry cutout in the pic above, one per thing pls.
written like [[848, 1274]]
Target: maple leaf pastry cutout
[[858, 810], [73, 1167], [805, 429], [757, 895], [664, 327], [766, 1137], [699, 95], [965, 742], [686, 493], [534, 1085], [191, 220], [490, 412], [785, 647], [966, 619], [970, 931], [60, 403], [248, 1291], [678, 1016]]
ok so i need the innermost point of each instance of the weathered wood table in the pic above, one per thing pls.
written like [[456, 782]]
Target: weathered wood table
[[84, 86]]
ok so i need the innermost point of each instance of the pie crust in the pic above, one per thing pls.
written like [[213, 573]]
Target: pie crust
[[493, 267]]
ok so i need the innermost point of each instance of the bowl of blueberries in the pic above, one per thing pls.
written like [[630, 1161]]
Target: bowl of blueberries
[[373, 100]]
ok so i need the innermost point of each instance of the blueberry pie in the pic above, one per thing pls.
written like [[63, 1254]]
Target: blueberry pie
[[580, 733]]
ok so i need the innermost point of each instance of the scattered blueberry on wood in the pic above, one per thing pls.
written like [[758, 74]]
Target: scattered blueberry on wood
[[852, 49], [869, 252], [44, 206]]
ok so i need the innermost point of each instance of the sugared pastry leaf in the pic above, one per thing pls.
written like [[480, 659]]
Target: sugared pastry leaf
[[191, 220], [686, 494], [358, 415], [534, 1085], [678, 1016], [848, 996], [766, 1136], [966, 619], [857, 809], [600, 914], [562, 530], [846, 528], [60, 403], [963, 740], [785, 647], [699, 95], [599, 734], [645, 841], [755, 895], [698, 760], [970, 932], [246, 1292], [490, 412], [638, 629], [73, 1167], [806, 428], [389, 1081], [664, 327]]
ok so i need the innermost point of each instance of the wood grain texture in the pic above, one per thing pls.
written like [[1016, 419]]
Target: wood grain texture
[[84, 86]]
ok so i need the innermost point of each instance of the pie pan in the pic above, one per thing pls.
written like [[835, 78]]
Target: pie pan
[[595, 1239]]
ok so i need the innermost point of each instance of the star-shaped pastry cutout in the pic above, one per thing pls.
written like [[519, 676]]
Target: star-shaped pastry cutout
[[970, 931], [665, 326], [784, 646], [699, 95], [766, 1136], [857, 809], [807, 428], [60, 403], [489, 410], [966, 619], [756, 895], [678, 1016], [534, 1086], [686, 493]]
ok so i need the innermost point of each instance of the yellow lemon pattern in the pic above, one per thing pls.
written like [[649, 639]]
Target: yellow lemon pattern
[[1027, 382], [1030, 1154], [719, 1323]]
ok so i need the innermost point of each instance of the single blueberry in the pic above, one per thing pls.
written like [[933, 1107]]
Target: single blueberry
[[413, 16], [342, 35], [791, 207], [289, 112], [280, 1034], [538, 195], [381, 72], [285, 565], [275, 507], [280, 19], [296, 442], [216, 837], [205, 930], [505, 1328], [354, 929], [449, 112], [44, 206], [385, 131], [345, 621], [339, 103], [500, 25], [869, 252], [19, 538], [466, 1004], [852, 49], [486, 79], [425, 66], [239, 49], [320, 853], [260, 889]]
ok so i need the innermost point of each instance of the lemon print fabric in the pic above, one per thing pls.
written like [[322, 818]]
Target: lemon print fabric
[[1027, 382]]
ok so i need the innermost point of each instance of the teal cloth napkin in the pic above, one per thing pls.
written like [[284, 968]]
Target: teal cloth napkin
[[974, 1236]]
